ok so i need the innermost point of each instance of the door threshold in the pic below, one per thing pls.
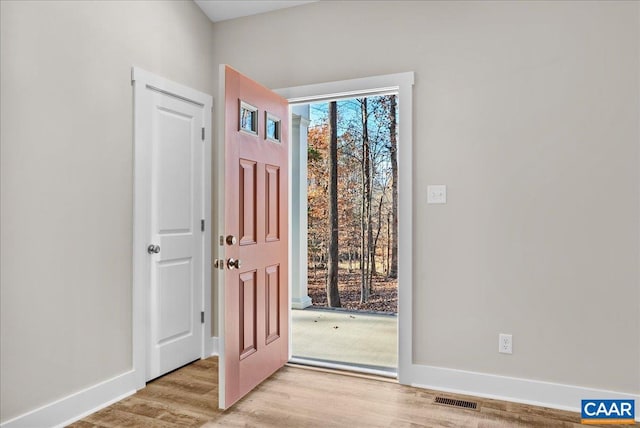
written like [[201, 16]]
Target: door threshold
[[343, 368]]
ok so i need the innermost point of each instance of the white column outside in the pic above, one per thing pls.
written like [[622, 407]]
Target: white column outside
[[300, 126]]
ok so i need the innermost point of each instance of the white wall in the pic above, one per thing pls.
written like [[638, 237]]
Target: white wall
[[529, 112], [66, 153]]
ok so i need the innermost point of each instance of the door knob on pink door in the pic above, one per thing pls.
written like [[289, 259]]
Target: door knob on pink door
[[231, 240], [234, 264]]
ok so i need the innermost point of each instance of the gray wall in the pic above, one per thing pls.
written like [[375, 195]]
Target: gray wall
[[528, 111], [66, 132]]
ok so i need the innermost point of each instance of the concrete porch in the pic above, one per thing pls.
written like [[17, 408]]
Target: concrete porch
[[346, 337]]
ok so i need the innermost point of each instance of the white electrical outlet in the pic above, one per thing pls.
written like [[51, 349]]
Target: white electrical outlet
[[505, 344]]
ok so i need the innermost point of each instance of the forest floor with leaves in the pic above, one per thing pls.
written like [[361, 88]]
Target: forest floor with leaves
[[383, 298]]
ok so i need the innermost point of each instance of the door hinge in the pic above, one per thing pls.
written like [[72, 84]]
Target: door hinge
[[202, 134], [202, 225], [202, 317]]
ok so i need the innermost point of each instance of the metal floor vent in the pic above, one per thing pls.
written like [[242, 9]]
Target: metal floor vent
[[456, 403]]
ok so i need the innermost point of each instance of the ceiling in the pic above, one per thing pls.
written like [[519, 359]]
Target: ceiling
[[221, 10]]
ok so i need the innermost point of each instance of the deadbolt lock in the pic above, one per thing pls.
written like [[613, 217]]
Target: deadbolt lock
[[231, 240], [233, 263]]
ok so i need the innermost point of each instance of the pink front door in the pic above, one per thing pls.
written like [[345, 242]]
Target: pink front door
[[255, 287]]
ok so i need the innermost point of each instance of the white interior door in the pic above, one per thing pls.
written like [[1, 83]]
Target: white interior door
[[170, 129], [175, 330]]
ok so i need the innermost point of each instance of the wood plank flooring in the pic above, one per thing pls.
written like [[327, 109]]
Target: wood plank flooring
[[296, 397]]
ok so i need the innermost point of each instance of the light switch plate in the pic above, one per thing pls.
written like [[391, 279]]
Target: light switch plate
[[437, 194]]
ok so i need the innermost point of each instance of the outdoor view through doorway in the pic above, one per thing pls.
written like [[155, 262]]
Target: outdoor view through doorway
[[352, 239]]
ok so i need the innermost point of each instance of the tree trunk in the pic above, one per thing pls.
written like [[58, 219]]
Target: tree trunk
[[388, 258], [333, 297], [364, 289], [366, 204], [367, 194], [374, 247], [393, 270]]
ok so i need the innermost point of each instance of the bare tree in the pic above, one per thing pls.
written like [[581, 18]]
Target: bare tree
[[366, 231], [375, 240], [393, 269], [333, 297]]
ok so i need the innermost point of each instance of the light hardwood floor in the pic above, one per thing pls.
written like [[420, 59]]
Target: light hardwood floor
[[297, 397]]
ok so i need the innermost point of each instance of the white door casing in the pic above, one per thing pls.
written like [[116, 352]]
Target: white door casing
[[402, 85], [172, 128]]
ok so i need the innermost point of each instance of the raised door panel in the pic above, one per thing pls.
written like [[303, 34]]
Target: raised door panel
[[272, 203], [247, 214], [173, 168], [174, 299], [272, 303], [248, 314]]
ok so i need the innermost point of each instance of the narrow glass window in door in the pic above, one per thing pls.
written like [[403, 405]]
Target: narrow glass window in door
[[248, 118], [272, 128]]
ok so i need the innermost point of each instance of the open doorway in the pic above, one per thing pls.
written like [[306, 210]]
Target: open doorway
[[350, 317], [301, 96]]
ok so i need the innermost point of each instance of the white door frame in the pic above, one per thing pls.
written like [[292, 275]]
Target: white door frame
[[141, 80], [402, 84]]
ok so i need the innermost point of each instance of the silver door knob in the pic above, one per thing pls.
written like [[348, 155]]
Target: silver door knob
[[234, 264], [231, 240], [153, 249]]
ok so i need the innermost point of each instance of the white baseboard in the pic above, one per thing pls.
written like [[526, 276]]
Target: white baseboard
[[212, 348], [83, 403], [525, 391], [78, 405], [538, 393]]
